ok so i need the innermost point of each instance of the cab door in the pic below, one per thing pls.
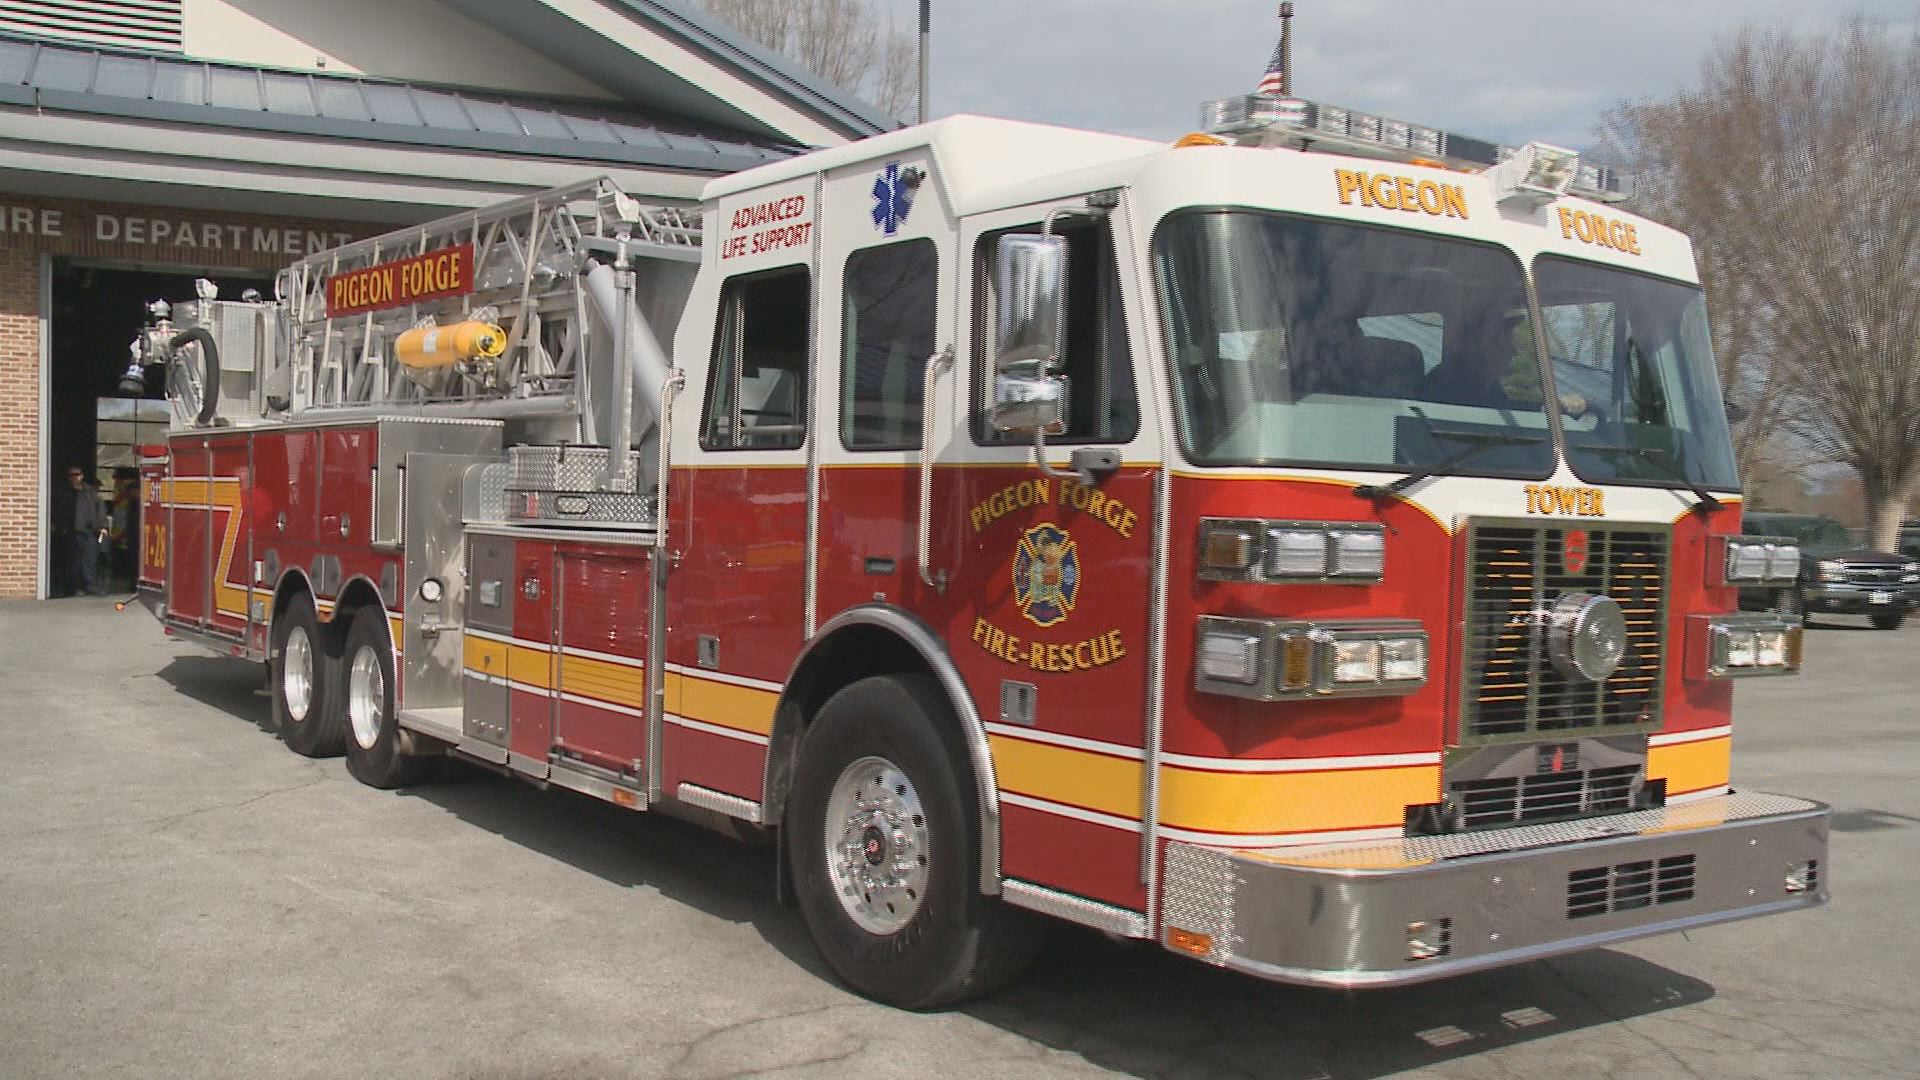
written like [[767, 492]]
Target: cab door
[[889, 293], [1048, 606]]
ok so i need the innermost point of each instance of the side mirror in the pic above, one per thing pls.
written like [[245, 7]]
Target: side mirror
[[1025, 403], [1029, 282]]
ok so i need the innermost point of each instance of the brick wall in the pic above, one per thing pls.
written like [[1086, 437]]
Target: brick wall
[[193, 240], [20, 470]]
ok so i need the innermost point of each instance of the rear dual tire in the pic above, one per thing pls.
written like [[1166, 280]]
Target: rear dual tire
[[374, 746], [303, 667]]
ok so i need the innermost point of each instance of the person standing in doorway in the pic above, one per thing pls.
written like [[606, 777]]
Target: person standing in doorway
[[126, 528], [86, 529]]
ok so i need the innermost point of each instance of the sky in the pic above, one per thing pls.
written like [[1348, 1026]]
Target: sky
[[1495, 69]]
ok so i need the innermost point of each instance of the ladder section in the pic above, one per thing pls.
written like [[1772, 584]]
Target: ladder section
[[486, 312]]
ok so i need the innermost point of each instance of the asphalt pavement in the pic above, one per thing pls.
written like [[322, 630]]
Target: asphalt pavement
[[182, 897]]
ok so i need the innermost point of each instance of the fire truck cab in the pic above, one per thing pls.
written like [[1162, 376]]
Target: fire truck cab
[[1310, 546]]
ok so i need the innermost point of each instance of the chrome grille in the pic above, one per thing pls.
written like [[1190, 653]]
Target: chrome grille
[[1513, 800], [1873, 573], [1601, 890], [1514, 573]]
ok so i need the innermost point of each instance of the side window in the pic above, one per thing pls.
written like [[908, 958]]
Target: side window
[[1102, 405], [887, 337], [757, 390]]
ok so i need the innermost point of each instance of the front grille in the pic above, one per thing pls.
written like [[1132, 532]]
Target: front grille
[[1514, 573], [1872, 574], [1514, 800], [1602, 890]]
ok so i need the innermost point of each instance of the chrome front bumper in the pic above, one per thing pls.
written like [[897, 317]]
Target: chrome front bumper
[[1340, 914]]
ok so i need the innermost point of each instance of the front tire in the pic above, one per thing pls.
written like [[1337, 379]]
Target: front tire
[[366, 698], [303, 682], [1889, 620], [885, 854]]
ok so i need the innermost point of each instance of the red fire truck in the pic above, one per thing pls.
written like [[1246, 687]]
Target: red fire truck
[[1312, 546]]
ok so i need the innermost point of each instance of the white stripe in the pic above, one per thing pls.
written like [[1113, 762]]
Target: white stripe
[[1072, 741], [1697, 796], [715, 729], [1094, 816], [1242, 840], [1191, 761], [598, 704], [570, 650], [721, 676], [1672, 737], [488, 635], [1287, 765]]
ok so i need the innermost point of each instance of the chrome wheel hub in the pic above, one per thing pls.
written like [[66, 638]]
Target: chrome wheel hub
[[296, 674], [366, 698], [876, 840]]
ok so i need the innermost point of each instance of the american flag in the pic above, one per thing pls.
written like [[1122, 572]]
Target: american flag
[[1273, 81]]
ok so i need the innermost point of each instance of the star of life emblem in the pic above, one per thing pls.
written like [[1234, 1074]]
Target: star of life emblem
[[892, 199]]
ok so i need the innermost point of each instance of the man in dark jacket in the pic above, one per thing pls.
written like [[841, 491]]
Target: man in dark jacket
[[84, 524]]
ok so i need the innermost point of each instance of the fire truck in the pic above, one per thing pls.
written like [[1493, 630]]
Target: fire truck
[[1312, 546]]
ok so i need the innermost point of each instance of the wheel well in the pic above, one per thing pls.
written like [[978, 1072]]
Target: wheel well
[[879, 640], [357, 594], [292, 583], [850, 654]]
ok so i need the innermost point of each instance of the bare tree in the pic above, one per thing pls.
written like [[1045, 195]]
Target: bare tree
[[852, 44], [1786, 165]]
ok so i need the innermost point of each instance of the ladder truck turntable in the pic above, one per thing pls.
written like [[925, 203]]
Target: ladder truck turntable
[[1296, 546]]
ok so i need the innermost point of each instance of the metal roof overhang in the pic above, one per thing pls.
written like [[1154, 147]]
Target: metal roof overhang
[[139, 128]]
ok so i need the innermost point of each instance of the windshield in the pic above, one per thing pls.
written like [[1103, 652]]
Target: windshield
[[1633, 369], [1297, 341], [1812, 533]]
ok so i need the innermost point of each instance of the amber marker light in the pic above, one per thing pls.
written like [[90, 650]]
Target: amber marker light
[[1189, 941], [1198, 138]]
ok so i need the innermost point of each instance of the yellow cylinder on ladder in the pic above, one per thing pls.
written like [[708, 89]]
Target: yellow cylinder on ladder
[[441, 346]]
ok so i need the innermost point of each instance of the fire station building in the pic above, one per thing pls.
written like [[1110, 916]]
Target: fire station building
[[147, 143]]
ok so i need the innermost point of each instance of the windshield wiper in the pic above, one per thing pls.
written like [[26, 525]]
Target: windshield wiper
[[1671, 469], [1481, 441]]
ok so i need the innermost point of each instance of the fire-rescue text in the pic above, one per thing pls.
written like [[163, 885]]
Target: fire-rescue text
[[446, 272], [1580, 502], [1598, 230]]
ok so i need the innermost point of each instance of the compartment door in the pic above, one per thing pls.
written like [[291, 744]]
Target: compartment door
[[602, 674], [488, 638]]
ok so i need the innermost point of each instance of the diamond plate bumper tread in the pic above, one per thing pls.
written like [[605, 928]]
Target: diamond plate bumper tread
[[1339, 914]]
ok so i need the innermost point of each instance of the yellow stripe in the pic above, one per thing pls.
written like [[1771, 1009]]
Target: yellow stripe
[[1294, 801], [618, 683], [484, 657], [742, 708], [1692, 766], [1062, 774], [1220, 802], [531, 666]]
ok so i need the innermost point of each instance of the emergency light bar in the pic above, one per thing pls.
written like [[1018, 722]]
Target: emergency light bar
[[1533, 171]]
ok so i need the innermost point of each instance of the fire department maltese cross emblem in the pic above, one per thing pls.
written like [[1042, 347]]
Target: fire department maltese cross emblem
[[1046, 574]]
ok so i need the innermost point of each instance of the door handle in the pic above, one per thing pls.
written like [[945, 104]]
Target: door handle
[[936, 364]]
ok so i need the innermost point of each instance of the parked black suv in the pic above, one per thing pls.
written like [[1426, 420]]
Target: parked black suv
[[1836, 574]]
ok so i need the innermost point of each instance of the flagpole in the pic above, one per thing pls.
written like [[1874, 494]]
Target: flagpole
[[1286, 49], [926, 32]]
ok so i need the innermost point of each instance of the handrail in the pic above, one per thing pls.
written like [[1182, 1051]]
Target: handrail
[[936, 364]]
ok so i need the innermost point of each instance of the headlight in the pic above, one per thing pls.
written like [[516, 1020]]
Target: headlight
[[1758, 560], [1276, 660], [1736, 646], [1254, 550], [1910, 572], [1832, 570]]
